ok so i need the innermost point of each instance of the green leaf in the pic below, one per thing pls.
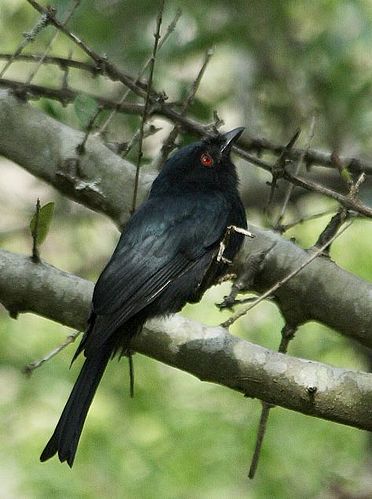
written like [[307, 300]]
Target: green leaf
[[85, 108], [346, 175], [45, 218]]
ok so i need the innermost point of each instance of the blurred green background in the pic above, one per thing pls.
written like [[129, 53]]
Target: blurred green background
[[276, 64]]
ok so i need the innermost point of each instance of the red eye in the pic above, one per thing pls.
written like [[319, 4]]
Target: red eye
[[206, 160]]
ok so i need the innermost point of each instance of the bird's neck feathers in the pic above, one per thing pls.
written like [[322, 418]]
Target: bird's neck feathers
[[178, 180]]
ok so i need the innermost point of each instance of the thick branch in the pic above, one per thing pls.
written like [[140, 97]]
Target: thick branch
[[47, 149], [210, 353], [310, 156], [13, 109], [322, 291]]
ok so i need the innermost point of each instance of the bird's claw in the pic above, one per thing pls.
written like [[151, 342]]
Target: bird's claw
[[220, 257]]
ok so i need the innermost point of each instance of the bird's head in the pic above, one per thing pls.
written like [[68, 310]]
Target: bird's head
[[200, 165]]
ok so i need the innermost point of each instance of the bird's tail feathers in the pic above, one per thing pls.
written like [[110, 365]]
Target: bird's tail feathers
[[65, 438]]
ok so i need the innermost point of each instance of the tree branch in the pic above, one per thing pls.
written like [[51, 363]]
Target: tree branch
[[321, 292], [193, 126], [210, 353], [47, 149], [254, 144], [310, 156]]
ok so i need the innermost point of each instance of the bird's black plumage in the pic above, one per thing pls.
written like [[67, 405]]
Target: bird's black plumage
[[166, 256]]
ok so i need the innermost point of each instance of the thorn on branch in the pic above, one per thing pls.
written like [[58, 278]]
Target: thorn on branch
[[290, 186], [277, 170]]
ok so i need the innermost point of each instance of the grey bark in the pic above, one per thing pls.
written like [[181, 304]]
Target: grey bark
[[210, 353], [102, 181], [48, 151], [322, 291], [46, 148]]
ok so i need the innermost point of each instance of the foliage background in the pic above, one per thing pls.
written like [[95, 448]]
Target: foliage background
[[276, 64]]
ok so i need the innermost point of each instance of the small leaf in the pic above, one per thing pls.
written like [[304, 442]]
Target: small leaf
[[346, 175], [85, 108], [45, 218]]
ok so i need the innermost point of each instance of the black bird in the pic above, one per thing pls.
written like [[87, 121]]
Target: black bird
[[168, 254]]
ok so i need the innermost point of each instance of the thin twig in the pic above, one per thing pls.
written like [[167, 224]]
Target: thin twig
[[278, 168], [66, 96], [290, 187], [288, 333], [80, 149], [355, 186], [168, 143], [265, 411], [147, 102], [196, 83], [62, 62], [171, 27], [37, 363], [148, 132], [131, 374], [339, 218], [29, 37], [51, 42], [346, 201], [188, 124], [312, 157], [233, 303], [280, 283], [66, 71], [35, 234], [283, 228], [105, 66]]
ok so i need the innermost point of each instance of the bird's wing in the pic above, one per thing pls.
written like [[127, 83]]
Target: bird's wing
[[163, 240]]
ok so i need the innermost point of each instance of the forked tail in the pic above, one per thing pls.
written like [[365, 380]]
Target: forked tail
[[65, 438]]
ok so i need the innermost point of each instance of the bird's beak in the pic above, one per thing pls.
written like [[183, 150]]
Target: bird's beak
[[229, 138]]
